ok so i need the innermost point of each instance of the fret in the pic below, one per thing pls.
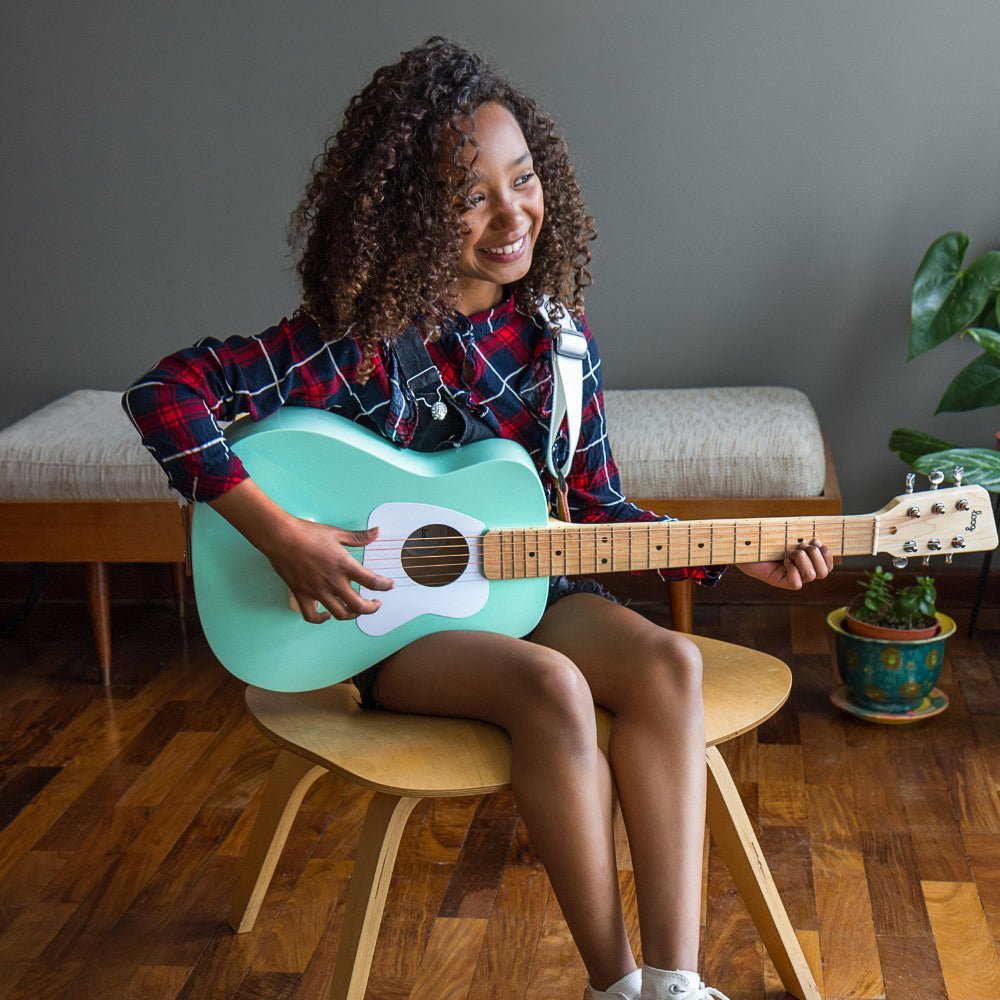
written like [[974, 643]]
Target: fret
[[760, 541]]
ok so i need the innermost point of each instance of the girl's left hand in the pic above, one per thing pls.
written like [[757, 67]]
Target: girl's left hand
[[803, 564]]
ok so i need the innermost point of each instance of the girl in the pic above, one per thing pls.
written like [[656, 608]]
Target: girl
[[446, 205]]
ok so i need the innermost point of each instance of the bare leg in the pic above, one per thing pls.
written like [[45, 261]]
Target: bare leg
[[561, 780], [650, 678]]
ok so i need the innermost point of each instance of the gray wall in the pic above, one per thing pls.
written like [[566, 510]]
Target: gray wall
[[765, 177]]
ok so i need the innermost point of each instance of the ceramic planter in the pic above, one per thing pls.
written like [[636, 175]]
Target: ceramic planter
[[889, 675]]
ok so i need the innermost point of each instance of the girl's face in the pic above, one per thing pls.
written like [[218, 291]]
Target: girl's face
[[504, 214]]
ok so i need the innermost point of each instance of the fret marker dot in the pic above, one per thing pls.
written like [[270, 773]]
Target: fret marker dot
[[558, 552], [701, 545], [531, 555], [746, 543], [659, 548], [604, 541], [604, 560]]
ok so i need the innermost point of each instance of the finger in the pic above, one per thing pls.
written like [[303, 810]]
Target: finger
[[356, 538], [355, 604], [803, 563], [821, 560], [309, 609], [357, 571], [793, 578]]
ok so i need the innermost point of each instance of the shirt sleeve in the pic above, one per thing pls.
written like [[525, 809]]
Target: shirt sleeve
[[179, 405], [594, 486]]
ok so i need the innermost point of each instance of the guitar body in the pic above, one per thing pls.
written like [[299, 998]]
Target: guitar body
[[325, 468]]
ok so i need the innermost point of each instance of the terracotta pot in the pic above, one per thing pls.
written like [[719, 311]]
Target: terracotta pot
[[858, 627]]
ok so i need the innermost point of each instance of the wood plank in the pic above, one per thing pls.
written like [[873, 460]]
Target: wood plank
[[911, 969], [984, 857], [450, 959], [964, 944], [847, 938], [511, 937], [781, 789], [893, 886]]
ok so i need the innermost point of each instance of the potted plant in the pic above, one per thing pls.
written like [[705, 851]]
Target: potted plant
[[890, 649], [947, 300]]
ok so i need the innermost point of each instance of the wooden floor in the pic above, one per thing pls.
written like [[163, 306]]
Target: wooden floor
[[124, 815]]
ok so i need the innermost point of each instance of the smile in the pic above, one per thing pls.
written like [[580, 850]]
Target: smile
[[509, 252]]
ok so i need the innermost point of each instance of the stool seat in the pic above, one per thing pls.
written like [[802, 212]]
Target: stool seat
[[425, 755], [403, 758]]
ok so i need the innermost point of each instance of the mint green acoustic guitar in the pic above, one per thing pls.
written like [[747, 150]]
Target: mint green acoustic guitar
[[466, 536]]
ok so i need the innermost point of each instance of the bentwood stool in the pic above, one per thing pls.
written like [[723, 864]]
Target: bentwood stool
[[404, 758]]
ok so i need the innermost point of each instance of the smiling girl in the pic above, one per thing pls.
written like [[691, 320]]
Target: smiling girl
[[438, 216]]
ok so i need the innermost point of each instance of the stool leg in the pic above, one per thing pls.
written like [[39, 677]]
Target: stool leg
[[682, 605], [100, 615], [373, 864], [736, 841], [289, 780]]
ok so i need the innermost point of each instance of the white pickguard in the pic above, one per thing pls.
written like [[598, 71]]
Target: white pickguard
[[408, 599]]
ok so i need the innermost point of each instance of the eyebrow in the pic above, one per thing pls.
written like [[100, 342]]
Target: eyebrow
[[526, 155]]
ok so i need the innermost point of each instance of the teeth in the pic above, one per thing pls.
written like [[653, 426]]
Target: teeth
[[508, 249]]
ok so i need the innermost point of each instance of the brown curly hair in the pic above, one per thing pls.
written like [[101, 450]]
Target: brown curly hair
[[378, 231]]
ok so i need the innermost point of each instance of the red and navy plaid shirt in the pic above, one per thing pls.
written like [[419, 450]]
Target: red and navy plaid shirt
[[496, 363]]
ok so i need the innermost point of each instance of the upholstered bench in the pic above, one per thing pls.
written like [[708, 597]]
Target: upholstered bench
[[755, 451], [76, 485]]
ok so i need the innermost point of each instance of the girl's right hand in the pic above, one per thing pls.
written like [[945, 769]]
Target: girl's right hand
[[311, 558], [314, 562]]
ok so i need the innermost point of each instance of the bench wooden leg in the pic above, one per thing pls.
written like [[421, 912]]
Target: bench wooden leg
[[178, 579], [377, 849], [682, 606], [736, 841], [289, 780], [100, 615]]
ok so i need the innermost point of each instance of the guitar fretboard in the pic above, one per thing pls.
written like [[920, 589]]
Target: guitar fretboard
[[516, 553]]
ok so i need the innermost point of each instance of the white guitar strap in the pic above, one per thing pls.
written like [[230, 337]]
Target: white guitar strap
[[569, 348]]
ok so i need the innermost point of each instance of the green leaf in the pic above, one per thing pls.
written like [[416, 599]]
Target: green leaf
[[945, 299], [934, 281], [982, 466], [910, 444], [988, 340], [976, 385]]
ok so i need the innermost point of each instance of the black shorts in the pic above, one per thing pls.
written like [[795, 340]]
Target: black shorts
[[559, 587]]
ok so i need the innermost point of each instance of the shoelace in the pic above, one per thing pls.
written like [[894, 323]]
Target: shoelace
[[700, 992]]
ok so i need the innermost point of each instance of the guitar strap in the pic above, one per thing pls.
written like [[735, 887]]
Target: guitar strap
[[453, 425], [569, 348]]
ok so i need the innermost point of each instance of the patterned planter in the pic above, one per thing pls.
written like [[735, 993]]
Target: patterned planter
[[889, 675]]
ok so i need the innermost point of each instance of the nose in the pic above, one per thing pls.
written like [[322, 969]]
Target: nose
[[508, 215]]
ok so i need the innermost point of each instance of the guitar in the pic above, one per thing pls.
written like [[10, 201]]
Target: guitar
[[465, 534]]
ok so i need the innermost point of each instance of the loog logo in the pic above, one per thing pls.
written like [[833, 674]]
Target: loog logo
[[971, 526]]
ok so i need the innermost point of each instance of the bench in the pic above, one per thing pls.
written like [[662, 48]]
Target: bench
[[721, 452], [77, 486]]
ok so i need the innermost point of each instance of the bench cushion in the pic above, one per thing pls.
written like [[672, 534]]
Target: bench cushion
[[756, 441], [718, 442], [80, 447]]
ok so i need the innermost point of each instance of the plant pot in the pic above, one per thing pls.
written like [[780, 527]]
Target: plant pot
[[858, 627], [889, 675]]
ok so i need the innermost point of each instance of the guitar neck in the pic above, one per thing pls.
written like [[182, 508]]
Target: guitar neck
[[560, 548]]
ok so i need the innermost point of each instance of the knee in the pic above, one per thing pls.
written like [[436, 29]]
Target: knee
[[557, 702], [666, 674]]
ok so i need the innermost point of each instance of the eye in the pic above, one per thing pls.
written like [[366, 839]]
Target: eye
[[474, 200], [523, 179]]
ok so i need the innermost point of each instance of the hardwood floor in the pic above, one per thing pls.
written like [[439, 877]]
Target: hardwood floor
[[124, 815]]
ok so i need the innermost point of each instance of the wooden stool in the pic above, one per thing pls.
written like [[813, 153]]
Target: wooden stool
[[404, 758]]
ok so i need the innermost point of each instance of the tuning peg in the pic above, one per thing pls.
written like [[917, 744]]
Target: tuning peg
[[926, 561], [900, 562], [956, 475], [948, 557], [936, 478], [911, 478]]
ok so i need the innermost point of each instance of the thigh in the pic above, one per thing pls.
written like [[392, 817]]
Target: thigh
[[616, 649], [479, 675]]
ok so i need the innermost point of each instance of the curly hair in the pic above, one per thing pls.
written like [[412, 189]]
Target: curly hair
[[378, 232]]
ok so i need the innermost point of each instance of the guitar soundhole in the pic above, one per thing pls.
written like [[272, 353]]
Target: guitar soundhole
[[435, 555]]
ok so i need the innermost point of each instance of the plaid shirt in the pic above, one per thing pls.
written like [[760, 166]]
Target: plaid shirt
[[496, 363]]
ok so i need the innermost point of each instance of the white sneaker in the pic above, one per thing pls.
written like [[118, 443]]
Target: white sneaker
[[663, 984], [627, 988]]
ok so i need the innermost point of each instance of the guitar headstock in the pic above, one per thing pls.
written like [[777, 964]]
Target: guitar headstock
[[937, 521]]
